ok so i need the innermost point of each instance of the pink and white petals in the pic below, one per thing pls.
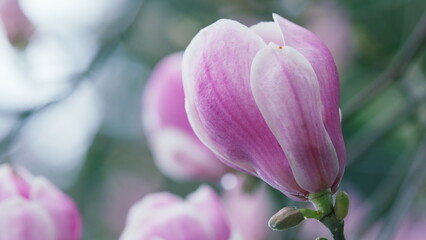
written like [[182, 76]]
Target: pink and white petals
[[163, 98], [287, 93], [168, 217], [283, 32], [60, 208], [221, 107], [31, 208], [178, 153], [13, 184], [268, 110], [269, 31], [216, 70], [24, 220], [321, 60]]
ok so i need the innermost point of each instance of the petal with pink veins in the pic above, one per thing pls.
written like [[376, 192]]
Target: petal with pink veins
[[221, 107], [321, 60], [287, 93]]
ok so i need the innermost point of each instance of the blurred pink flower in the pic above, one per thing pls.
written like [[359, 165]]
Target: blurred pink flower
[[248, 212], [332, 24], [177, 151], [17, 26], [166, 216], [31, 208], [265, 99]]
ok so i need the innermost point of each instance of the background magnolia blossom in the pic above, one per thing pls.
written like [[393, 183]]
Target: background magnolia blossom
[[177, 151], [32, 208], [166, 216]]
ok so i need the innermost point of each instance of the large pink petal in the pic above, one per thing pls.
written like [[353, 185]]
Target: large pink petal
[[163, 97], [313, 49], [181, 155], [21, 219], [142, 213], [180, 222], [178, 152], [316, 51], [14, 182], [221, 108], [166, 216], [287, 92]]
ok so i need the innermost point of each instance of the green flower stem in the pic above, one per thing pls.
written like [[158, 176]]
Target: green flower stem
[[309, 213], [335, 226], [323, 203]]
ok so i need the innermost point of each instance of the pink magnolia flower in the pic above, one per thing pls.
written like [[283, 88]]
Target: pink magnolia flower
[[31, 208], [177, 150], [265, 99], [17, 26], [168, 217]]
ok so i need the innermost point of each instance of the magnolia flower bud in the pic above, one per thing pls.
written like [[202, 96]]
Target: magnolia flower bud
[[177, 151], [168, 217], [286, 218], [265, 99], [33, 209], [341, 206]]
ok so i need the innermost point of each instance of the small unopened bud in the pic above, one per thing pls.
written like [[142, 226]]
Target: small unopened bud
[[341, 206], [321, 238], [286, 218]]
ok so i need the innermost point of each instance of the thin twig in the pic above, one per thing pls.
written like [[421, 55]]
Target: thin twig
[[411, 48]]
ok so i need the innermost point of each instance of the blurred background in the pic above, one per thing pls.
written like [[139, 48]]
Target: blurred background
[[72, 73]]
